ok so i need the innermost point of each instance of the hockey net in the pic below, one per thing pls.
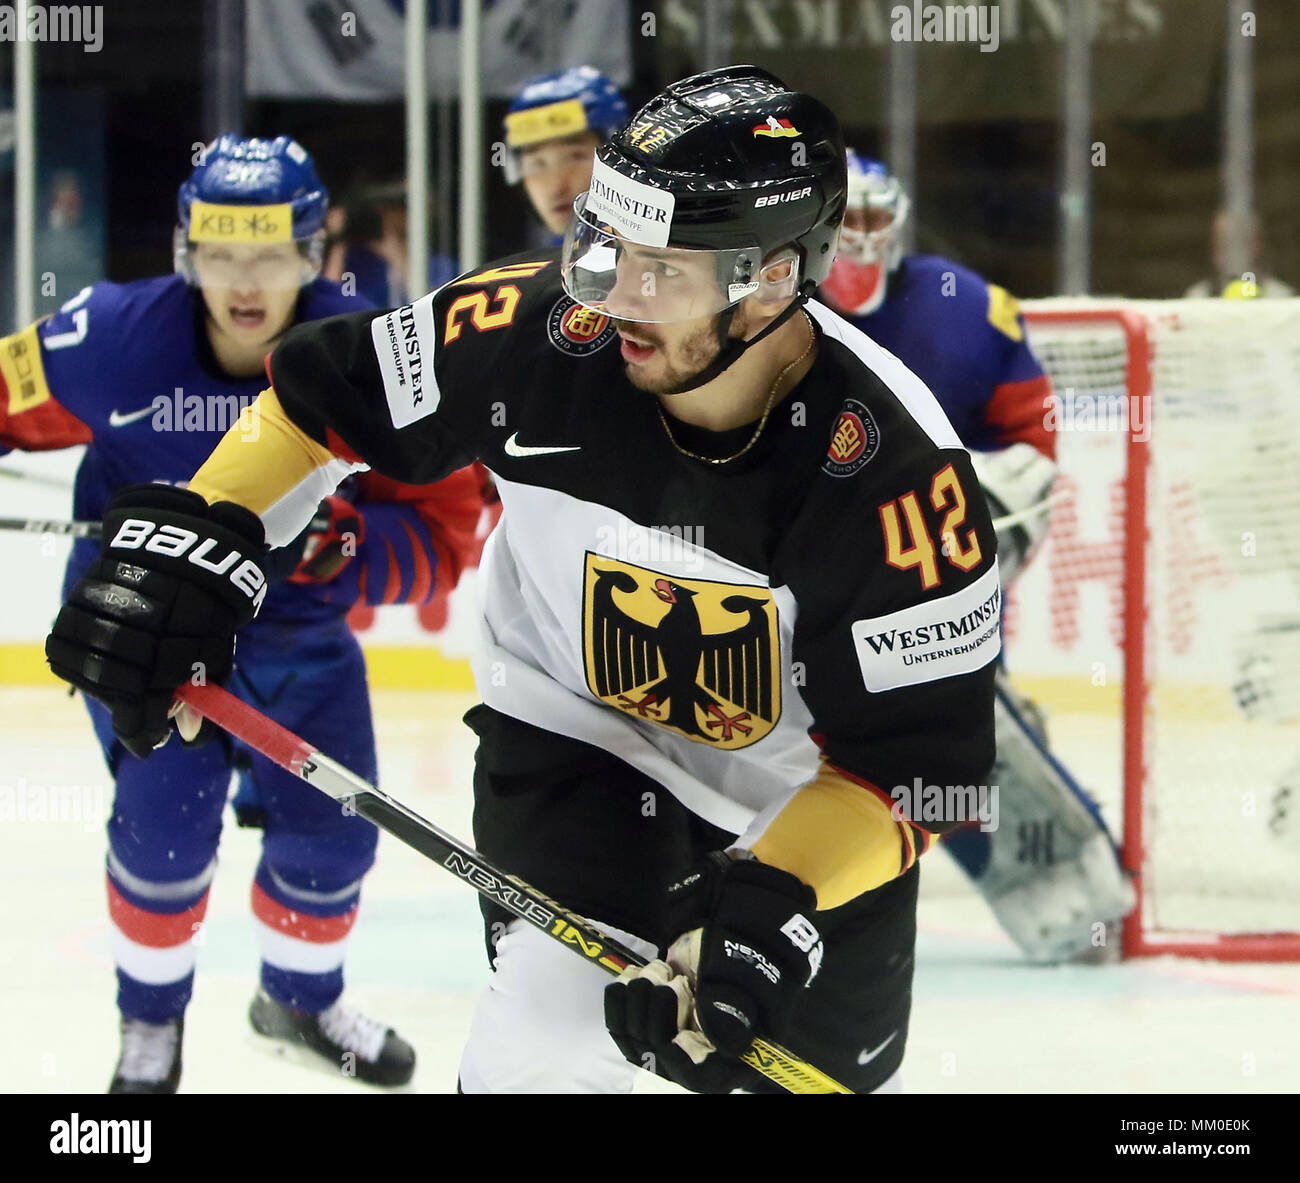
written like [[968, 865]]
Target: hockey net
[[1160, 624]]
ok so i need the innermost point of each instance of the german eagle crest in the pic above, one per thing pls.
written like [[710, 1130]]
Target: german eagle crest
[[695, 656]]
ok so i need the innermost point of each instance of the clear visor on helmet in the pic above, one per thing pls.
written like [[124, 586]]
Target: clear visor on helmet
[[249, 266], [662, 284]]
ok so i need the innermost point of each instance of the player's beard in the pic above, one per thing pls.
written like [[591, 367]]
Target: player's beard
[[679, 362]]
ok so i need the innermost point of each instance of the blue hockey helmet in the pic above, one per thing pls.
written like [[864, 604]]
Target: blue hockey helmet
[[873, 247], [275, 187], [552, 106]]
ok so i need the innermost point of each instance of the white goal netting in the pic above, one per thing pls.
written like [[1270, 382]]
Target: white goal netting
[[1219, 425]]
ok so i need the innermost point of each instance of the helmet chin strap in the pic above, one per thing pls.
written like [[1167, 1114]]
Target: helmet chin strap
[[731, 348]]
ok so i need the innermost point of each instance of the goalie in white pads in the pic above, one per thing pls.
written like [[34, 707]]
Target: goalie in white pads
[[1050, 871]]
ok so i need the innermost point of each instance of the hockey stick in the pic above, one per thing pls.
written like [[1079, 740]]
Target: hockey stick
[[36, 479], [40, 526], [1039, 507], [297, 756]]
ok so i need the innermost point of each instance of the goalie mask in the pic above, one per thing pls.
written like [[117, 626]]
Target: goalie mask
[[871, 243], [725, 186]]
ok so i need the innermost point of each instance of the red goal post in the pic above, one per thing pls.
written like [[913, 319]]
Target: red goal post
[[1166, 558]]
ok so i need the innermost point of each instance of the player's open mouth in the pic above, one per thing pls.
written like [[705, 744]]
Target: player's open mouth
[[248, 318], [634, 351]]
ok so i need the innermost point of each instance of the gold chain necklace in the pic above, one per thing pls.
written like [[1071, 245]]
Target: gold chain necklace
[[767, 410]]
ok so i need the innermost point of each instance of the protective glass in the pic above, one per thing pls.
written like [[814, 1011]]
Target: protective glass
[[663, 285]]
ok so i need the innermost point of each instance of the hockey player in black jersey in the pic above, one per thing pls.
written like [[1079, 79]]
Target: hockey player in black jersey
[[740, 616]]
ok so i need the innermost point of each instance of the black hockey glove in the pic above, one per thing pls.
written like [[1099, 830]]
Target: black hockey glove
[[747, 951], [175, 581]]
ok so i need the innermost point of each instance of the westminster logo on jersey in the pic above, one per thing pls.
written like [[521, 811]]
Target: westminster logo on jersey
[[695, 656]]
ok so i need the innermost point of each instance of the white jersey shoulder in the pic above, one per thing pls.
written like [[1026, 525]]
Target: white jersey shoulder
[[915, 395]]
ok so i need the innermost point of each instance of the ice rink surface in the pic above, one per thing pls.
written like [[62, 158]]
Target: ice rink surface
[[982, 1020]]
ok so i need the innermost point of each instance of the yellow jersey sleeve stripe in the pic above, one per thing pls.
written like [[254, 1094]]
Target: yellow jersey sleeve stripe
[[268, 464], [838, 837], [22, 371]]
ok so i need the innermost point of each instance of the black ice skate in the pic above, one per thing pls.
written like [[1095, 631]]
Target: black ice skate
[[151, 1057], [353, 1044]]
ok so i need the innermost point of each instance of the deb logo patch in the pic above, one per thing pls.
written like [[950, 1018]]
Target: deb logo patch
[[855, 439], [404, 348], [576, 330], [955, 634]]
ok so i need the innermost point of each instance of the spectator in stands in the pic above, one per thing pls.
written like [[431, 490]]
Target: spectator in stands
[[1249, 284], [368, 241]]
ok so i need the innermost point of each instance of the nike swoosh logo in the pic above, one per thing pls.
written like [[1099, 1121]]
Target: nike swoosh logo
[[115, 419], [865, 1057], [517, 449]]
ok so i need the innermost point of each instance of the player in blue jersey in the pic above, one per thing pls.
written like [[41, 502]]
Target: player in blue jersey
[[1050, 871], [149, 375], [553, 128]]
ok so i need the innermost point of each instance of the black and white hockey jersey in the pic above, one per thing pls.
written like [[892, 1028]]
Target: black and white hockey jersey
[[828, 599]]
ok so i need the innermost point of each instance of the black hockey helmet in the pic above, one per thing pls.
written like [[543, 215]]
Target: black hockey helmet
[[729, 163]]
